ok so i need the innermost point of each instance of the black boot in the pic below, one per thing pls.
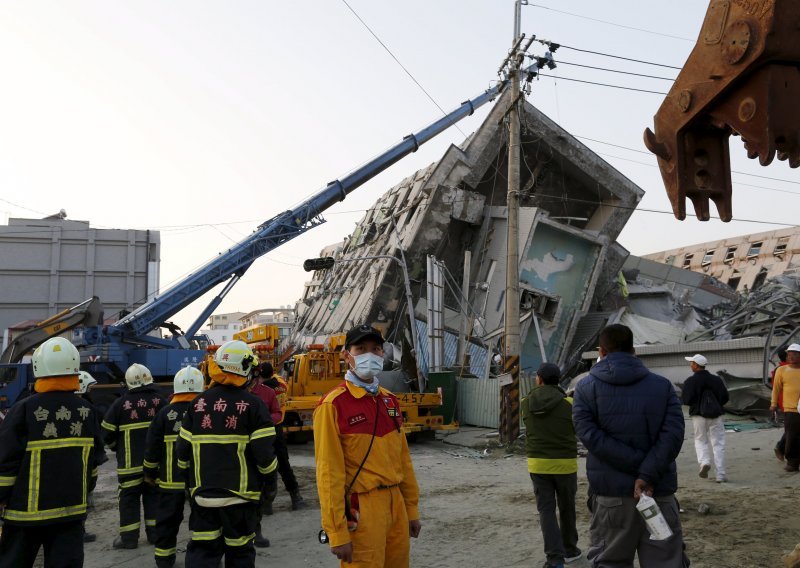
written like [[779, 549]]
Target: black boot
[[119, 543], [260, 541], [297, 500]]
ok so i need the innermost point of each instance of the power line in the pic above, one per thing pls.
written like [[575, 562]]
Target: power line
[[561, 77], [615, 24], [560, 62], [403, 67], [22, 207], [651, 154], [642, 61]]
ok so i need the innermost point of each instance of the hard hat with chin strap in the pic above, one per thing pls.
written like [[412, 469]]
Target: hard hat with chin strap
[[138, 375], [188, 379], [56, 357], [236, 357]]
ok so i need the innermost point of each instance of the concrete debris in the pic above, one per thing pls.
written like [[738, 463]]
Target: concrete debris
[[573, 207]]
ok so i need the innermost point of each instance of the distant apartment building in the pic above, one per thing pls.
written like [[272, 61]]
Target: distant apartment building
[[743, 262], [48, 265], [221, 327], [283, 317]]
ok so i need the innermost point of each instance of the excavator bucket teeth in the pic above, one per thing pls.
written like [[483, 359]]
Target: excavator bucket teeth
[[742, 78]]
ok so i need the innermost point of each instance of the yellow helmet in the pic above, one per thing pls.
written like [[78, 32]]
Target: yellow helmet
[[236, 357], [56, 357]]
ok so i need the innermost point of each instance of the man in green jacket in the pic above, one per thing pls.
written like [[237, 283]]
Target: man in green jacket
[[552, 450]]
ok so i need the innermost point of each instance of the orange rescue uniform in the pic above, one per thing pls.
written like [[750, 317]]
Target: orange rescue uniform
[[786, 388], [386, 489]]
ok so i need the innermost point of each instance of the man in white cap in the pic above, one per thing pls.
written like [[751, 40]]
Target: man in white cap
[[786, 388], [705, 395]]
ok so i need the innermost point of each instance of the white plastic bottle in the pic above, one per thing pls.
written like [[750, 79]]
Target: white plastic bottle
[[657, 525]]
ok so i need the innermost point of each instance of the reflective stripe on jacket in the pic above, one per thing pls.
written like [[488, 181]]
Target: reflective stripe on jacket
[[225, 443], [160, 461], [50, 448], [343, 424], [125, 427]]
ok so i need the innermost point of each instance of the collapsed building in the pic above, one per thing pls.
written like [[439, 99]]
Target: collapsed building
[[573, 207]]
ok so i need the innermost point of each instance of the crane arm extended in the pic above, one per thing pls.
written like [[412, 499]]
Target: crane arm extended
[[282, 228], [89, 312]]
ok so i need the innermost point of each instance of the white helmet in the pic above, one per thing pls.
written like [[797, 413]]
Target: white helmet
[[56, 357], [236, 357], [84, 381], [137, 376], [188, 379]]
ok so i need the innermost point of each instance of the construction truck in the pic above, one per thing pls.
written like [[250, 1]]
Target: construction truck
[[321, 368], [16, 375]]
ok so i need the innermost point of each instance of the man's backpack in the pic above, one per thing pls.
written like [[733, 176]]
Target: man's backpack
[[709, 405]]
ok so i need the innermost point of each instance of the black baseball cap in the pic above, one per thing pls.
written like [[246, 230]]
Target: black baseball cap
[[549, 371], [360, 333]]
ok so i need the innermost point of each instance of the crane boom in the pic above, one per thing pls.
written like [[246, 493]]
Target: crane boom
[[272, 233]]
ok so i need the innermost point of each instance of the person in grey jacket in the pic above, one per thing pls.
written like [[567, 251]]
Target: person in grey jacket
[[631, 422]]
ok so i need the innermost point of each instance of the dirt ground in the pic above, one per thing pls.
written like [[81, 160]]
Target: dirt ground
[[478, 510]]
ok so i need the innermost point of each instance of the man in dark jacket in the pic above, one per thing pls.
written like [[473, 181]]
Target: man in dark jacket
[[631, 422], [553, 463], [708, 425], [50, 448]]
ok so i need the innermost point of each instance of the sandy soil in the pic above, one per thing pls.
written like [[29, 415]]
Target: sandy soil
[[478, 510]]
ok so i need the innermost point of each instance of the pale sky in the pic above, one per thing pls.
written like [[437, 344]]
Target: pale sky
[[203, 119]]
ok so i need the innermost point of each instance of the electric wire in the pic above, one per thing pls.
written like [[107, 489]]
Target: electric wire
[[611, 55], [645, 152], [615, 24], [561, 77], [403, 67], [561, 62]]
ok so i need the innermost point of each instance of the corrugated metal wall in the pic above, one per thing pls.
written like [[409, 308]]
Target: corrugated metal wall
[[477, 354], [478, 402]]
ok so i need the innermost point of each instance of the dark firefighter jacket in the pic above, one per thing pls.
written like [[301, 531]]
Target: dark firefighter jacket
[[160, 462], [226, 444], [50, 448], [125, 427]]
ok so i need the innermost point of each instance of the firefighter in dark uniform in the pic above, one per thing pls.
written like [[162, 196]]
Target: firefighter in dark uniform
[[85, 381], [276, 383], [125, 430], [50, 448], [225, 444], [161, 465]]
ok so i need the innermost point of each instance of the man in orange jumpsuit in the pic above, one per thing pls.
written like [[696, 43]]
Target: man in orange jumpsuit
[[363, 463]]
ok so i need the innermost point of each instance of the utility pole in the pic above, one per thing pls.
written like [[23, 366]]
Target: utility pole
[[509, 409]]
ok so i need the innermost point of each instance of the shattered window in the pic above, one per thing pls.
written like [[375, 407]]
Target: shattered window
[[687, 260], [755, 249], [730, 255], [707, 258], [780, 248]]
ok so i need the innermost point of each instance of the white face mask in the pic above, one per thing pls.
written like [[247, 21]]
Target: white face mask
[[367, 365]]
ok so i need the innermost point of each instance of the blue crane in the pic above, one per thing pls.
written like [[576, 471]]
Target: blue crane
[[106, 351]]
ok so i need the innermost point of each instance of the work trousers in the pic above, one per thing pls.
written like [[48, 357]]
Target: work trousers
[[62, 543], [618, 534], [560, 540], [709, 443], [284, 467], [382, 538], [791, 427], [134, 494], [222, 531], [169, 516]]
